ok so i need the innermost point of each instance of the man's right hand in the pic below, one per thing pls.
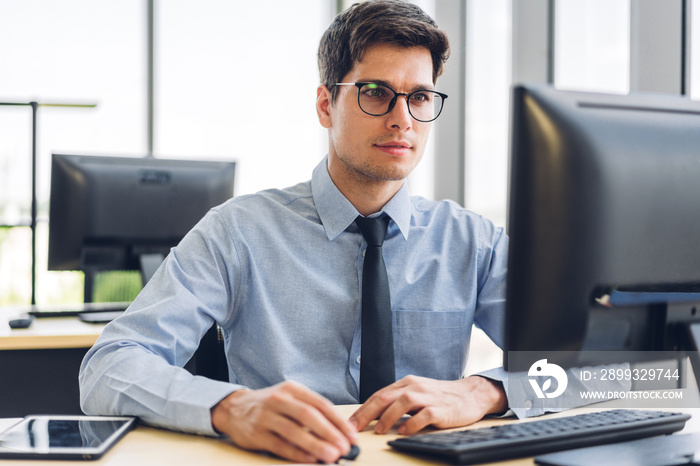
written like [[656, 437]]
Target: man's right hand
[[286, 419]]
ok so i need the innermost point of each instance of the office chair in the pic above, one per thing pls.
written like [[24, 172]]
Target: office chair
[[210, 358]]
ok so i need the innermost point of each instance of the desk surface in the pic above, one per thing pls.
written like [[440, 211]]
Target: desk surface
[[50, 332], [150, 446]]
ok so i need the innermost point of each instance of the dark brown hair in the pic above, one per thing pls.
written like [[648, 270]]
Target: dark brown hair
[[374, 22]]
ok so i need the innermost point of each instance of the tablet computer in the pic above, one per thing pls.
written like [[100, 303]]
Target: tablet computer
[[63, 437]]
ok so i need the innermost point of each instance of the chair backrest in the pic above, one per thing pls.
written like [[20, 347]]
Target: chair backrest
[[210, 358]]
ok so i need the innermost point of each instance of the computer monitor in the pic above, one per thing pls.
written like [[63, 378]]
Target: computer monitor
[[604, 226], [125, 213]]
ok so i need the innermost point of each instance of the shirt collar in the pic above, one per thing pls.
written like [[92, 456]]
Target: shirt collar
[[337, 213]]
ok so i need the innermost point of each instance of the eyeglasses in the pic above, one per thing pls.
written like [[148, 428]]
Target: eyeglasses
[[379, 99]]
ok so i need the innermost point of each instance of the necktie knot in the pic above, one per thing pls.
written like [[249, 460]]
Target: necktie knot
[[373, 229]]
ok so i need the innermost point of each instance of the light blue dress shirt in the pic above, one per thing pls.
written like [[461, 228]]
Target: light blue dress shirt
[[280, 271]]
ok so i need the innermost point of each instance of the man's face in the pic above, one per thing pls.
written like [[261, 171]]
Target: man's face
[[387, 147]]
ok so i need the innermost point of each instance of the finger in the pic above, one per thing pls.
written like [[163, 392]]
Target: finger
[[374, 407], [284, 449], [422, 419], [368, 412], [329, 413], [304, 440], [306, 415], [406, 403]]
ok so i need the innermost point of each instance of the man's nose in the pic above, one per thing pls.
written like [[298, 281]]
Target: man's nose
[[399, 116]]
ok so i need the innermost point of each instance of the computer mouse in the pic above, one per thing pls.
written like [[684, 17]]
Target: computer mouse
[[23, 320], [352, 454]]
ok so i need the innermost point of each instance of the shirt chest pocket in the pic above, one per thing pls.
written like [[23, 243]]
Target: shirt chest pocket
[[431, 343]]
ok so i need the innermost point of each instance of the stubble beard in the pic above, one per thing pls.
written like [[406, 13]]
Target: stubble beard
[[368, 172]]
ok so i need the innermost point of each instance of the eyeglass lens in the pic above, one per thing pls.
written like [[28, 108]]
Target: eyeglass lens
[[375, 99]]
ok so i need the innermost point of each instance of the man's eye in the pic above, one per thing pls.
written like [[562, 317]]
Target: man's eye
[[421, 97], [375, 92]]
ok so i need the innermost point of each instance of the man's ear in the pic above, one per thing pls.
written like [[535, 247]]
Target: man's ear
[[323, 106]]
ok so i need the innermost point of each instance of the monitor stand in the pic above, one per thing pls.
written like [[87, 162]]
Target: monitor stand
[[149, 264], [692, 345]]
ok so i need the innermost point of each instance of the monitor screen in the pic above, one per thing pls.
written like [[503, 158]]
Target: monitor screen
[[603, 222], [108, 212]]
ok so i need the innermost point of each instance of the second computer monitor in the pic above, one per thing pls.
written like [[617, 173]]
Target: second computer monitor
[[108, 213]]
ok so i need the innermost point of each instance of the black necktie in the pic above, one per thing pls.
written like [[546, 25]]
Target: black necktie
[[377, 363]]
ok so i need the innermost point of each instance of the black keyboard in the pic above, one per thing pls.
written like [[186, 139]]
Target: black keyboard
[[532, 438]]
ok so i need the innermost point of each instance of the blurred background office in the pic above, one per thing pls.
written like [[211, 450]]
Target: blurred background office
[[236, 80]]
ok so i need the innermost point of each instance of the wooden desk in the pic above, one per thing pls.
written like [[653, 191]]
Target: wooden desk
[[39, 365], [52, 333], [150, 446]]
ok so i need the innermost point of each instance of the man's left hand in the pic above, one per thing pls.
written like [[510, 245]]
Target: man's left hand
[[438, 403]]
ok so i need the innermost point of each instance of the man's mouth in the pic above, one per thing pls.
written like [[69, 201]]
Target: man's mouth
[[395, 147], [396, 144]]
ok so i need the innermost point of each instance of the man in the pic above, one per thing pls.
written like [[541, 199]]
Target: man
[[281, 273]]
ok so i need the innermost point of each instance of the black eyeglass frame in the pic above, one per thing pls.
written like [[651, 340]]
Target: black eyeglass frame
[[392, 102]]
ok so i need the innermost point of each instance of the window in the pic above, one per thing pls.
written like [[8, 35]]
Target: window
[[695, 49], [236, 82], [67, 52], [592, 45], [488, 95]]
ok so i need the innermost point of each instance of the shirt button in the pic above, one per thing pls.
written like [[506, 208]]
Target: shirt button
[[528, 404], [358, 358]]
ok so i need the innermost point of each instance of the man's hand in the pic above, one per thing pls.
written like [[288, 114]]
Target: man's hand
[[288, 420], [440, 403]]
